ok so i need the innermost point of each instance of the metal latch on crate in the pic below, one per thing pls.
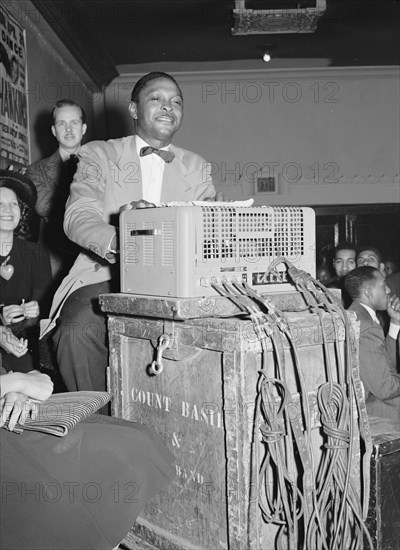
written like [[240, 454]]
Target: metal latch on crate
[[157, 365]]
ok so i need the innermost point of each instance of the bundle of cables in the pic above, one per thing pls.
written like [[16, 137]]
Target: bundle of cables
[[314, 505]]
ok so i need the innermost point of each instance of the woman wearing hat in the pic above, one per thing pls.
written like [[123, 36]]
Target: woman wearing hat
[[25, 274]]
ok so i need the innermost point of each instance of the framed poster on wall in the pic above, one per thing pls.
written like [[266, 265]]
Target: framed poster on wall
[[13, 103]]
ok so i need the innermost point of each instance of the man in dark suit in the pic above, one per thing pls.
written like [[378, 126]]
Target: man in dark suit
[[369, 255], [379, 368], [52, 177], [140, 169]]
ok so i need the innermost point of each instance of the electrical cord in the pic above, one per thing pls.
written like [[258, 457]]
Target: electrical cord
[[280, 510], [362, 414], [313, 510], [306, 452], [281, 454], [341, 464]]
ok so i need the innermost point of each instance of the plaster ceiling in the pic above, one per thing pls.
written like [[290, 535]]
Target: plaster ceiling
[[108, 34]]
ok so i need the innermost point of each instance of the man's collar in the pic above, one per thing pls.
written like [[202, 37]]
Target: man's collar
[[372, 312], [66, 154]]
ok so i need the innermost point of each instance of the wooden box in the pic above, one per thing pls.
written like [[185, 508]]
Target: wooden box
[[383, 520], [203, 404]]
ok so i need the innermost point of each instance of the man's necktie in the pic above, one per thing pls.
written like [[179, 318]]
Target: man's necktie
[[71, 163], [167, 156], [69, 169]]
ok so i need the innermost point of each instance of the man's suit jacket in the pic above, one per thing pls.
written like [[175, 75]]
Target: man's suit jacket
[[108, 176], [46, 175], [52, 178], [378, 370]]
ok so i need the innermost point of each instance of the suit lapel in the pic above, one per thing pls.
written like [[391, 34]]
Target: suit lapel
[[126, 174], [53, 167]]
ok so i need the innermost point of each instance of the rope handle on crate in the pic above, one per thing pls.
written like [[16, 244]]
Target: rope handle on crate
[[157, 365]]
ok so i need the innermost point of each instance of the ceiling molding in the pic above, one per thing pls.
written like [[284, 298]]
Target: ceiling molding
[[93, 58], [289, 74]]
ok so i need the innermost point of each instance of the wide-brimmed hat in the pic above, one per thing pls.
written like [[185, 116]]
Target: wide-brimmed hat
[[20, 184]]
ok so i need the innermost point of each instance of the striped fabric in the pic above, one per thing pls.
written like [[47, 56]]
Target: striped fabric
[[62, 411]]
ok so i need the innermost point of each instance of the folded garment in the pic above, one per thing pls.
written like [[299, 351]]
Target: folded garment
[[62, 411]]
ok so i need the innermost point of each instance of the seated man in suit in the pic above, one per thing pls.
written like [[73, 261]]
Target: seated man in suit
[[369, 255], [140, 169], [378, 355], [52, 177]]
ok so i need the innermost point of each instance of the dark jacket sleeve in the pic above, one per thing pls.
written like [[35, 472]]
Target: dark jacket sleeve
[[41, 279]]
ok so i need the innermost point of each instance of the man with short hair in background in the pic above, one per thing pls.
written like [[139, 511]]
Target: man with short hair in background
[[369, 255], [52, 177], [344, 261]]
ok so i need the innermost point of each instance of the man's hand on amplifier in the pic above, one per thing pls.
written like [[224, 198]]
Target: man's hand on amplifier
[[111, 255], [137, 204], [219, 197]]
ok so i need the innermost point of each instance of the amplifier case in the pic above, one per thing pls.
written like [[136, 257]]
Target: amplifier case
[[179, 251]]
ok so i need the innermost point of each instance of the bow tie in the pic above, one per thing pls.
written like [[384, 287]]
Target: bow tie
[[167, 156]]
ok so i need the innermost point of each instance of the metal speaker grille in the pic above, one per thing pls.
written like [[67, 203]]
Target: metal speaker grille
[[289, 232], [168, 243], [252, 234]]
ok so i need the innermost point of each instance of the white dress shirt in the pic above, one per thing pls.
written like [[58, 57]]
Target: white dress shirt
[[152, 169]]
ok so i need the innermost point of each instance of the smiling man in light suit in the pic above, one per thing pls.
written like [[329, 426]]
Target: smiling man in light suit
[[143, 168]]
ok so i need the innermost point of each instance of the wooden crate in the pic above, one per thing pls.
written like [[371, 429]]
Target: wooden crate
[[383, 520], [203, 405]]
